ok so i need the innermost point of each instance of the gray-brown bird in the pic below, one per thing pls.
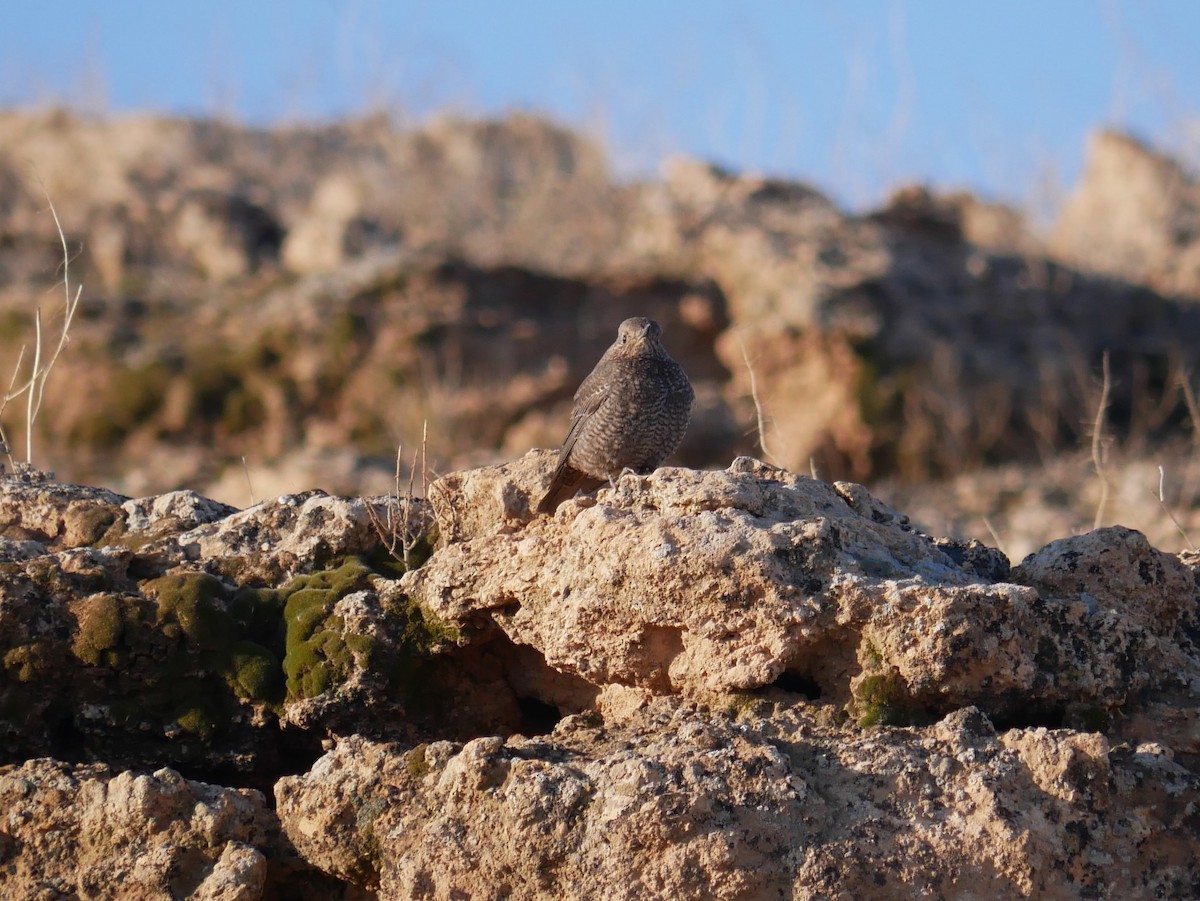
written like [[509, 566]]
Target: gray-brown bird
[[630, 413]]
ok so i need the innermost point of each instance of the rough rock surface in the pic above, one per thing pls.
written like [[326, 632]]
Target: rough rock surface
[[729, 684], [87, 832], [767, 802], [1135, 215], [700, 582]]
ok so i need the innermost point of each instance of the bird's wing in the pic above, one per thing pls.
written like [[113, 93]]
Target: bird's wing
[[587, 403]]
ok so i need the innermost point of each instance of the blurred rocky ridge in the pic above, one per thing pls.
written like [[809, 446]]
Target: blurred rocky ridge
[[309, 297]]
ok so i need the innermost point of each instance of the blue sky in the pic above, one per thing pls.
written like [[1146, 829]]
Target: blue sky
[[853, 96]]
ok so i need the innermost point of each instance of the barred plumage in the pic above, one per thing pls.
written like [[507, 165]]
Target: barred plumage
[[630, 413]]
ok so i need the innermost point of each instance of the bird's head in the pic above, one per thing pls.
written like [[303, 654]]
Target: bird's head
[[640, 336]]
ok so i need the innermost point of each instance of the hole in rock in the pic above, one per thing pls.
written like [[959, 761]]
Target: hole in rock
[[537, 717], [66, 741], [543, 694], [1030, 716], [493, 687], [823, 671], [799, 684], [293, 752]]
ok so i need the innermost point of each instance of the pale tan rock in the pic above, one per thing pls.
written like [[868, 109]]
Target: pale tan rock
[[89, 832], [699, 582], [681, 801], [1133, 215], [281, 536], [1114, 569], [318, 240], [33, 506]]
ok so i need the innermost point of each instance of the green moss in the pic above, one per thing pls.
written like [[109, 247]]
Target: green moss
[[232, 639], [28, 662], [254, 673], [882, 701], [317, 653], [195, 602], [100, 627], [741, 706], [259, 614], [424, 632], [391, 566], [872, 657], [91, 522], [198, 722], [416, 762]]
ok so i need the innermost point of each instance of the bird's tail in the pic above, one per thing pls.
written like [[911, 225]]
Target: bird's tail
[[566, 483]]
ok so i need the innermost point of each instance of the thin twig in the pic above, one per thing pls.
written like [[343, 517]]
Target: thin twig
[[34, 388], [30, 415], [1162, 501], [69, 306], [758, 410], [404, 524], [995, 536], [249, 484], [6, 448], [1097, 437]]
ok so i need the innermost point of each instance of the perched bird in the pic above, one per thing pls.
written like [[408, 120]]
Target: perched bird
[[629, 413]]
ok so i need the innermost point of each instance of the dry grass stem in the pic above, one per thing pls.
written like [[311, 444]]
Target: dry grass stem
[[5, 447], [30, 415], [1097, 444], [995, 536], [1162, 502], [34, 387], [404, 523], [758, 410], [249, 484]]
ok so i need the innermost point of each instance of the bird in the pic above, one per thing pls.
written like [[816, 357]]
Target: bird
[[630, 413]]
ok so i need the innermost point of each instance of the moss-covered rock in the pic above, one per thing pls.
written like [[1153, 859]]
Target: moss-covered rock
[[99, 630], [318, 654], [233, 636], [883, 700], [196, 602]]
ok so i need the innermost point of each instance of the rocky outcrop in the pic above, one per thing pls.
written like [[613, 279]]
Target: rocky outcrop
[[694, 583], [174, 629], [305, 299], [757, 800], [87, 832], [739, 684], [1134, 215]]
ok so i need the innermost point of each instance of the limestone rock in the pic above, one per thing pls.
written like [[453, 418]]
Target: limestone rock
[[739, 683], [1135, 215], [753, 802], [86, 831], [700, 582]]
